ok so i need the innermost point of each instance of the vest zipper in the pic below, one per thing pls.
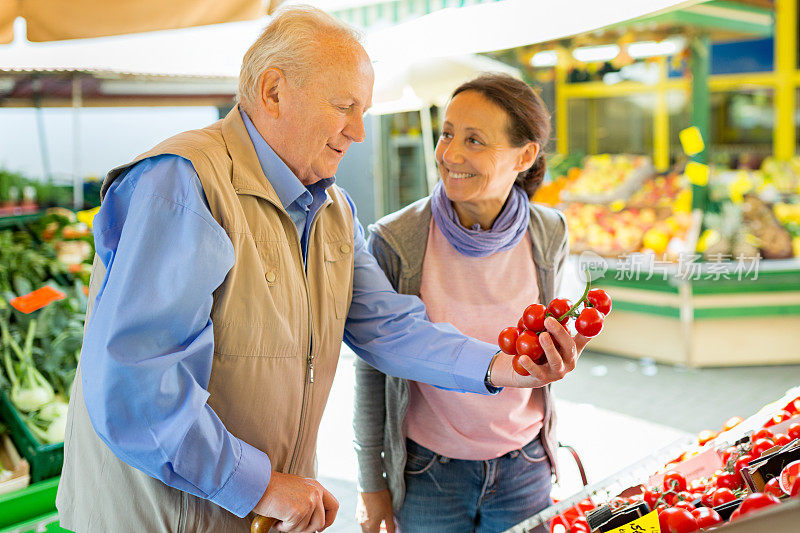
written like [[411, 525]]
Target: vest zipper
[[310, 359]]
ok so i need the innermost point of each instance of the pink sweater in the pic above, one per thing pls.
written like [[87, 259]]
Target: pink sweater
[[480, 296]]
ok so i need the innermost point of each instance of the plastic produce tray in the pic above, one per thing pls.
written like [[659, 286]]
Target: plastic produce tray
[[45, 460]]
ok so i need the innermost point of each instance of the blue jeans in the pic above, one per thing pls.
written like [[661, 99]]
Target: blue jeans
[[446, 495]]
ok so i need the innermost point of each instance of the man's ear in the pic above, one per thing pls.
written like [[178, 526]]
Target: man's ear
[[270, 85], [527, 157]]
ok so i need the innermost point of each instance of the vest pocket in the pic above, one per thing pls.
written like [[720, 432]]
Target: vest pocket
[[339, 271]]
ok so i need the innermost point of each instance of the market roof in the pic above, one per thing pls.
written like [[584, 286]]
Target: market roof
[[54, 87]]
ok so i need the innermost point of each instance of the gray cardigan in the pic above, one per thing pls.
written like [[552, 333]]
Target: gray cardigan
[[398, 242]]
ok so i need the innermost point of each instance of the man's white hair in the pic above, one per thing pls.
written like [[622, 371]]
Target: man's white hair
[[290, 43]]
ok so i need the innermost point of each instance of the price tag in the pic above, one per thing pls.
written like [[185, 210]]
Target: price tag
[[28, 303], [691, 140], [697, 173], [645, 524]]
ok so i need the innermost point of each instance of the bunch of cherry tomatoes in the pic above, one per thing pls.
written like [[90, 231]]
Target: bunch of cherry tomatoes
[[524, 338]]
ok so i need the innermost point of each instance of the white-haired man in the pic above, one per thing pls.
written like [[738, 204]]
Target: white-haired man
[[229, 268]]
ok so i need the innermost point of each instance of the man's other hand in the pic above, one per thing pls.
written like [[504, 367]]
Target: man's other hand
[[299, 504]]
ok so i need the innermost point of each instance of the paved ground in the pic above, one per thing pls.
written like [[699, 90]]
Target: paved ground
[[678, 397], [613, 410]]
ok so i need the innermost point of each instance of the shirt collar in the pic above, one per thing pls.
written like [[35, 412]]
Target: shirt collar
[[287, 186]]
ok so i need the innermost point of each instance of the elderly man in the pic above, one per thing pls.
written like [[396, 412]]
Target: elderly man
[[229, 268]]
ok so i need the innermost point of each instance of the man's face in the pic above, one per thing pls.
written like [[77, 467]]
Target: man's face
[[322, 118]]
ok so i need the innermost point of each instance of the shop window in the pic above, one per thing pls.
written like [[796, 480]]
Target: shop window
[[742, 123]]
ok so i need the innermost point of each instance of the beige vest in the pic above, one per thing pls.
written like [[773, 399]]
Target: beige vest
[[277, 334]]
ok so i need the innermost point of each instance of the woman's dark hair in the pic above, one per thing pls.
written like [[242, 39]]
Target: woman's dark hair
[[528, 121]]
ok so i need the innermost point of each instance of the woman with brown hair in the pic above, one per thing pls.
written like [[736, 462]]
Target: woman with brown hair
[[477, 252]]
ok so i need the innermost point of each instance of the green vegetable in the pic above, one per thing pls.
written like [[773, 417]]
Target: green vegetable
[[30, 391]]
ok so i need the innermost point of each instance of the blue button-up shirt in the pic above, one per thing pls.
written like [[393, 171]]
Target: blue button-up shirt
[[148, 350]]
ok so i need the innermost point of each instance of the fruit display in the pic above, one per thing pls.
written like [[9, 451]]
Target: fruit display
[[746, 467], [605, 178], [609, 233], [782, 176], [751, 212], [663, 191], [746, 229], [788, 214], [523, 339]]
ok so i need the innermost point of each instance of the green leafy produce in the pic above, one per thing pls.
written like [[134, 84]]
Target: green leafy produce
[[39, 351]]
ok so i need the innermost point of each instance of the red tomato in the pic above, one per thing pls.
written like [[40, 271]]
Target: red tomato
[[675, 520], [794, 431], [729, 481], [520, 326], [782, 440], [533, 317], [727, 454], [674, 481], [793, 407], [706, 517], [663, 519], [741, 462], [617, 503], [650, 497], [760, 446], [508, 340], [590, 322], [579, 525], [586, 505], [732, 422], [795, 490], [707, 498], [773, 487], [734, 515], [761, 434], [723, 495], [777, 418], [756, 501], [683, 504], [558, 520], [559, 307], [705, 436], [599, 300], [528, 344], [518, 368]]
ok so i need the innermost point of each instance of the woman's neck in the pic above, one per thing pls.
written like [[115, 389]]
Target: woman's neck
[[483, 214]]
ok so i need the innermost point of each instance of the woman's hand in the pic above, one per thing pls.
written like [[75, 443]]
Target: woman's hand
[[374, 508], [562, 351]]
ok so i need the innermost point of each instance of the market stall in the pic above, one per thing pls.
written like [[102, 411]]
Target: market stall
[[698, 236]]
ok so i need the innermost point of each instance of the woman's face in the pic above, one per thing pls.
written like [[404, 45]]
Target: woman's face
[[476, 161]]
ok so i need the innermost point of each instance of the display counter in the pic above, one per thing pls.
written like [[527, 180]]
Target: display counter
[[703, 314]]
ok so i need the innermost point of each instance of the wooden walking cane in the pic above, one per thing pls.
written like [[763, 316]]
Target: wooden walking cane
[[262, 524]]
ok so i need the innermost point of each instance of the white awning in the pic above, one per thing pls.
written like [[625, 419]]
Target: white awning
[[504, 24]]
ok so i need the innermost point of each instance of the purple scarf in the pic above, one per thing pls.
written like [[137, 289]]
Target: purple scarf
[[508, 229]]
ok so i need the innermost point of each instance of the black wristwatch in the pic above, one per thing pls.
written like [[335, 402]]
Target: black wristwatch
[[487, 380]]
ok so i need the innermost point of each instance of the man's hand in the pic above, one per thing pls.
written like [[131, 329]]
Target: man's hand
[[561, 349], [300, 504], [374, 508]]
